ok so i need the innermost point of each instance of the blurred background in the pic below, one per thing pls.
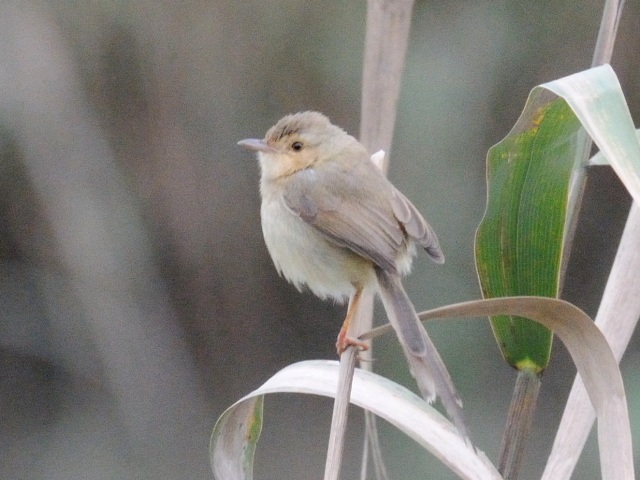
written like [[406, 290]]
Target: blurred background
[[137, 299]]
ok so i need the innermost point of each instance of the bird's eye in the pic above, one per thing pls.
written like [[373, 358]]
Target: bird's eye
[[297, 146]]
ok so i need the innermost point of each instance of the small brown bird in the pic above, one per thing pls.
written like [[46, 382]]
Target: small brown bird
[[333, 222]]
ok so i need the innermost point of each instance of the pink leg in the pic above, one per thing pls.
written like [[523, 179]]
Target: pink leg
[[344, 341]]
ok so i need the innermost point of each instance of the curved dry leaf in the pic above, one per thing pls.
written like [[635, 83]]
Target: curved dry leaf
[[595, 96], [617, 318], [388, 400], [592, 356], [599, 159], [234, 438]]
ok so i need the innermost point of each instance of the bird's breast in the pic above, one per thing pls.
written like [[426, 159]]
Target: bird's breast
[[305, 257]]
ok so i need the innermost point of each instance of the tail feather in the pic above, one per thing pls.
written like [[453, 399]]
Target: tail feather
[[422, 374], [424, 360], [401, 313]]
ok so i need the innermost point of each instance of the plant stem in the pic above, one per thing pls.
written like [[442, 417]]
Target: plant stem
[[387, 35], [607, 34], [601, 55], [340, 414], [523, 403]]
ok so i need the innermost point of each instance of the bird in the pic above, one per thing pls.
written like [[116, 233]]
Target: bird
[[334, 224]]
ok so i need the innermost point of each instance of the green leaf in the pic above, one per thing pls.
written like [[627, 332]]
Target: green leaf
[[520, 239], [519, 242]]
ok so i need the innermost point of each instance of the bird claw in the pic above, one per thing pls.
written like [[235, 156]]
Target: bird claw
[[345, 342]]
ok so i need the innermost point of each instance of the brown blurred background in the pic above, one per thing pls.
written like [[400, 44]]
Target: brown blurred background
[[137, 299]]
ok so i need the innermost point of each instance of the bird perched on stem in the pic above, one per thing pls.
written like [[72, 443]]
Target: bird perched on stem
[[334, 223]]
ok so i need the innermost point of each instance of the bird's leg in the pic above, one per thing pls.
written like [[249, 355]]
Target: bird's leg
[[344, 340]]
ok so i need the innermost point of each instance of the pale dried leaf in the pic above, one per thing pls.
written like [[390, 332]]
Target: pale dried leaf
[[594, 360], [617, 318], [234, 440], [383, 397]]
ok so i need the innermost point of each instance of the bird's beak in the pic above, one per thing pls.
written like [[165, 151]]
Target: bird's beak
[[257, 144]]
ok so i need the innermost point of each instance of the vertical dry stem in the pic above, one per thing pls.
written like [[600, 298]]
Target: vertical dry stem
[[523, 404], [387, 34]]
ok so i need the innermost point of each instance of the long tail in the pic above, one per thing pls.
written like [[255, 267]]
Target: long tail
[[424, 360]]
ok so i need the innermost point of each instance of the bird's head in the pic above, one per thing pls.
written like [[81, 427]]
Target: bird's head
[[296, 142]]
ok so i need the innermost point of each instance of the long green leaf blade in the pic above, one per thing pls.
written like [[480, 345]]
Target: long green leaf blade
[[520, 239], [519, 242]]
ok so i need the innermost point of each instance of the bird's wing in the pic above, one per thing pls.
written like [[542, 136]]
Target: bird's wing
[[416, 226], [361, 221]]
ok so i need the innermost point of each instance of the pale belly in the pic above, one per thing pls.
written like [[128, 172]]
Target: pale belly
[[304, 257]]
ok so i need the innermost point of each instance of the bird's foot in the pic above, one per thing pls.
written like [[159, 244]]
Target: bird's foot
[[345, 342]]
